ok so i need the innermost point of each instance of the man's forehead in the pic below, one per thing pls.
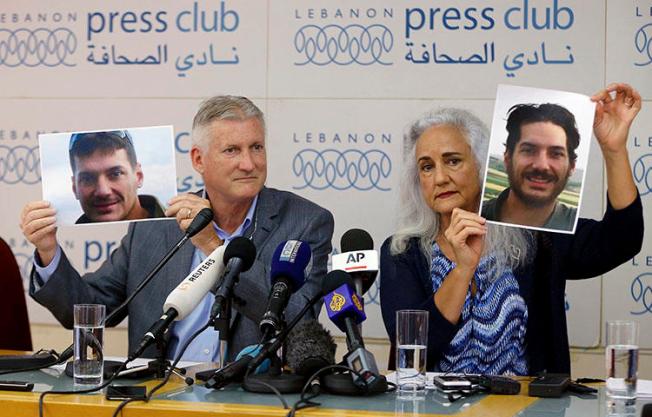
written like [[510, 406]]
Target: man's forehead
[[540, 134], [103, 159], [227, 129]]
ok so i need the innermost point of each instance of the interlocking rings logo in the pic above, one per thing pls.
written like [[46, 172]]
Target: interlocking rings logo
[[32, 48], [343, 45], [339, 170], [642, 172], [643, 44], [641, 290], [19, 164]]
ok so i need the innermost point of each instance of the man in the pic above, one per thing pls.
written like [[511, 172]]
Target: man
[[106, 178], [539, 158], [229, 152]]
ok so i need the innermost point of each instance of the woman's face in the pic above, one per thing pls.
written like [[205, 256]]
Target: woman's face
[[448, 174]]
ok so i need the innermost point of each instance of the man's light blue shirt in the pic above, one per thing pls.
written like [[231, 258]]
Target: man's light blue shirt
[[205, 347]]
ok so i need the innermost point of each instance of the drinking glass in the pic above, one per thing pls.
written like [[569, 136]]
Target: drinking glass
[[411, 349], [88, 364]]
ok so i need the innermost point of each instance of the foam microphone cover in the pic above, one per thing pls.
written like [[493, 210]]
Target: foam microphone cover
[[309, 348], [647, 410], [290, 261], [242, 248], [355, 240]]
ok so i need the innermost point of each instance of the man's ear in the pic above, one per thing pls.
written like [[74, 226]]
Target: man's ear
[[507, 158], [197, 159], [139, 174]]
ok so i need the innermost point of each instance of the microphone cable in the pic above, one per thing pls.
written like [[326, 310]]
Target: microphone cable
[[169, 373], [263, 383], [305, 401], [103, 385]]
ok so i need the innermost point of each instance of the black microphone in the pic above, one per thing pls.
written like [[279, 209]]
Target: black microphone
[[288, 274], [239, 256], [273, 346], [358, 258], [310, 347], [201, 220]]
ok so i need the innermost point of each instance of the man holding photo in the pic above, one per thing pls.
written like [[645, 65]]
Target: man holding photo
[[539, 159]]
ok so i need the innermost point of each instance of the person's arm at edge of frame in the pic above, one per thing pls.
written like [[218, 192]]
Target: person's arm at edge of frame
[[601, 246]]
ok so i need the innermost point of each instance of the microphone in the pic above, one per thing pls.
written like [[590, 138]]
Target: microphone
[[201, 220], [234, 371], [238, 257], [189, 293], [287, 275], [345, 309], [185, 297], [358, 259], [310, 347], [327, 286]]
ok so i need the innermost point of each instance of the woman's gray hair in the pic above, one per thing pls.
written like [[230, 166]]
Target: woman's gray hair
[[222, 108], [511, 246]]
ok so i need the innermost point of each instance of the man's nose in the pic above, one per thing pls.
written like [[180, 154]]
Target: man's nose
[[246, 161], [102, 187], [541, 161]]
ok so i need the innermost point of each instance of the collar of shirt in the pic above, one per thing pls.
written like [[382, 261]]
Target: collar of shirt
[[226, 237]]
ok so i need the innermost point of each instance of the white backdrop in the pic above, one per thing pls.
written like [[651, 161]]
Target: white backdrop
[[336, 79]]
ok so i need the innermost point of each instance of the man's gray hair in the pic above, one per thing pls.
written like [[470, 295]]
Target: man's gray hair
[[222, 108], [511, 246]]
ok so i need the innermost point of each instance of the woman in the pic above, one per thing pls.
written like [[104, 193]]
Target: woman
[[496, 294]]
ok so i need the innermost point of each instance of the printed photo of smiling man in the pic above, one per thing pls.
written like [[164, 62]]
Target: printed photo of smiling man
[[538, 153], [112, 175]]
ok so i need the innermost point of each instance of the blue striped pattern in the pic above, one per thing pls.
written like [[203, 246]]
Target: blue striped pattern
[[491, 338]]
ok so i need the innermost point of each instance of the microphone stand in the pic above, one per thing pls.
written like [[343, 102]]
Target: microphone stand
[[270, 347], [283, 382], [221, 323]]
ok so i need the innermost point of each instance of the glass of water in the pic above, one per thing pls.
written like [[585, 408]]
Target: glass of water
[[622, 360], [88, 364], [411, 348]]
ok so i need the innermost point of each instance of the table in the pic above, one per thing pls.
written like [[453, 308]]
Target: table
[[179, 399]]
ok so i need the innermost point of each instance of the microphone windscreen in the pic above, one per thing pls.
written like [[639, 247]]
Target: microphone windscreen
[[647, 410], [309, 348], [355, 240], [201, 220], [335, 279], [290, 261], [242, 248]]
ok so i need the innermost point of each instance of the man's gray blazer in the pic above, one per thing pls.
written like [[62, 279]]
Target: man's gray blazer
[[279, 216]]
